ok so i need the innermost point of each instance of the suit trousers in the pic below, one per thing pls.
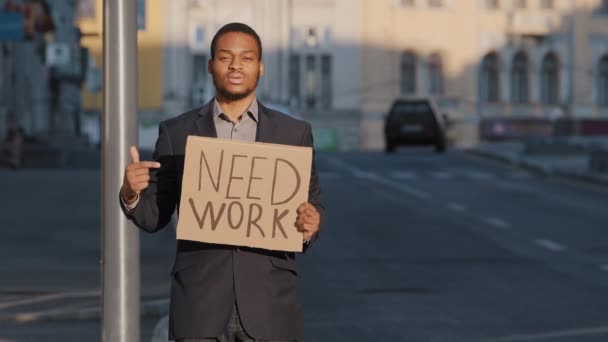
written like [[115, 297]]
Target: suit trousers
[[234, 332]]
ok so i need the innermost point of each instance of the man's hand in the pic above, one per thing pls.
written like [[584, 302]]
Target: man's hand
[[137, 176], [308, 220]]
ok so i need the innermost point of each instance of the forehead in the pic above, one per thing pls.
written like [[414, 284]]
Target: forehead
[[237, 42]]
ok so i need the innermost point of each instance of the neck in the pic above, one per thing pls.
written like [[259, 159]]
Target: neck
[[235, 108]]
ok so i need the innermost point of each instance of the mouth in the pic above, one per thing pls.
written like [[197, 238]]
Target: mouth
[[236, 78]]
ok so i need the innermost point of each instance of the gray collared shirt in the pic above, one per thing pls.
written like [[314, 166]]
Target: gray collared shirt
[[244, 129]]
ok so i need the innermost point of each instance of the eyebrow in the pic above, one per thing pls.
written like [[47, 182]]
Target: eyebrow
[[243, 52]]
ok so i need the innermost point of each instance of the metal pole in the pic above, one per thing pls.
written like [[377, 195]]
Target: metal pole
[[572, 64], [120, 240]]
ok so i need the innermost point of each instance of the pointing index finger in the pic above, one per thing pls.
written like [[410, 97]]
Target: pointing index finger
[[134, 154]]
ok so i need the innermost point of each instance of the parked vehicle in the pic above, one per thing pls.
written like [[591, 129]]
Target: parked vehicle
[[414, 122]]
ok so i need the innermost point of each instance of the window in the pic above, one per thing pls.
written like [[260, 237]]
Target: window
[[550, 80], [520, 4], [141, 15], [547, 4], [326, 91], [492, 4], [86, 9], [489, 84], [312, 38], [602, 84], [603, 7], [408, 73], [199, 35], [294, 78], [311, 82], [519, 78], [435, 75], [436, 3], [199, 79]]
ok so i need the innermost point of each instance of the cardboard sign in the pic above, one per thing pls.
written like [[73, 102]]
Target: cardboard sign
[[243, 193]]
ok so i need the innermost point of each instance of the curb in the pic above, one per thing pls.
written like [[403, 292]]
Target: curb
[[587, 178], [149, 309], [544, 170]]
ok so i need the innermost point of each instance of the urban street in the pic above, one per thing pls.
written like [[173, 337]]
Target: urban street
[[417, 247]]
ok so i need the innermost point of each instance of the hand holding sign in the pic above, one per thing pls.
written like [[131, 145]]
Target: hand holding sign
[[137, 176], [246, 194], [308, 220]]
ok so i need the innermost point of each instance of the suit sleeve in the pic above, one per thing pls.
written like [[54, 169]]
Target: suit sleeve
[[158, 201], [314, 190]]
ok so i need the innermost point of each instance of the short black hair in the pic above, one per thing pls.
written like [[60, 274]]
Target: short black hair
[[235, 27]]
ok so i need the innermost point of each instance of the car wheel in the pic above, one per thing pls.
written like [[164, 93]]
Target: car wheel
[[440, 146], [390, 148]]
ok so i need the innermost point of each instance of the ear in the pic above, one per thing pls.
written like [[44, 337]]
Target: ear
[[261, 68], [210, 66]]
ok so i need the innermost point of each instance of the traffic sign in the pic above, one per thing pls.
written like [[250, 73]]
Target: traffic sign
[[11, 26]]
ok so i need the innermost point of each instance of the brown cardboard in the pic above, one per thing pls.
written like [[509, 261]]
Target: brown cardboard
[[243, 193]]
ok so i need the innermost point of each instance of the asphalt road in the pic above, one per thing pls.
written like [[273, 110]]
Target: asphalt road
[[417, 247]]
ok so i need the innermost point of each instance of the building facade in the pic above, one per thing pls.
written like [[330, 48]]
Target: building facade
[[151, 26], [340, 63], [310, 50], [483, 59]]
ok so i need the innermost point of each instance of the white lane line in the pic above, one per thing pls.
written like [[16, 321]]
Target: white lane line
[[456, 207], [381, 180], [49, 297], [550, 335], [401, 187], [362, 174], [402, 175], [328, 175], [550, 245], [495, 221], [441, 175]]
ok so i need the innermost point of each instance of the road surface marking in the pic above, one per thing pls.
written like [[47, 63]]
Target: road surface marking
[[550, 245], [401, 187], [402, 175], [362, 174], [495, 221], [49, 297], [380, 180], [456, 207]]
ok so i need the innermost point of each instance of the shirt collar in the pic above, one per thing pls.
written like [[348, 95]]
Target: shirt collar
[[252, 110]]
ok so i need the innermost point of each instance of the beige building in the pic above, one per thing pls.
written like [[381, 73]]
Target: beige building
[[340, 63], [485, 58]]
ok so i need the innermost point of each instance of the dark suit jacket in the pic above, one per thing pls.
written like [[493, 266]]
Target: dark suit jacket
[[207, 279]]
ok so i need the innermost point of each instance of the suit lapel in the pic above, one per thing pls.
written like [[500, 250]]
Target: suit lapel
[[205, 127], [266, 126]]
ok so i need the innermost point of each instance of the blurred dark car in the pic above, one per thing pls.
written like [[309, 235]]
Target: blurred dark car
[[414, 122]]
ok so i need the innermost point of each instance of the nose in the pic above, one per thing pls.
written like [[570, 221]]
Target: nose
[[235, 64]]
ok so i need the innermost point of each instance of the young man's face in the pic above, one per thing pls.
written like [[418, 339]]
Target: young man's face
[[236, 67]]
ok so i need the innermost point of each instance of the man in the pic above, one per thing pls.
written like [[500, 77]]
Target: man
[[221, 292]]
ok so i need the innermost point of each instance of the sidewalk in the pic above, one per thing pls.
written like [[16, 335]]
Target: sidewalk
[[564, 157]]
